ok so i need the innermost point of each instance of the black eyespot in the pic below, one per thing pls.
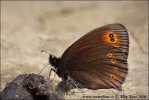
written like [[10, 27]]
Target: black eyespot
[[112, 39], [111, 35]]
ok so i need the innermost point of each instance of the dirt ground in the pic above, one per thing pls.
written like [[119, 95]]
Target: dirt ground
[[60, 24]]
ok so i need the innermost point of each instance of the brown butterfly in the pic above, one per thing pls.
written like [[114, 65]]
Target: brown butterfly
[[98, 60]]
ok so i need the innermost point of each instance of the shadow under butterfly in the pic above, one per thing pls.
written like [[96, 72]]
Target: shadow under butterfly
[[98, 60]]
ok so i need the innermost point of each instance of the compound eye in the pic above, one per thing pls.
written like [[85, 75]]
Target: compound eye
[[52, 56]]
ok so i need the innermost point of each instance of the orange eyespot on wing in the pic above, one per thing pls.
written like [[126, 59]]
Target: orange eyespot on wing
[[115, 69], [111, 38], [112, 77], [109, 55], [113, 61]]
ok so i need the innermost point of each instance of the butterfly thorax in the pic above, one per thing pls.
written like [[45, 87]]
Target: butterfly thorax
[[59, 69]]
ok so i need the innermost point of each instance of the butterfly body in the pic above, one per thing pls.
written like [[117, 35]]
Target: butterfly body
[[98, 60]]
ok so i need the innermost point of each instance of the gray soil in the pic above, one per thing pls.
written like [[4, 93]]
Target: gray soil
[[60, 24]]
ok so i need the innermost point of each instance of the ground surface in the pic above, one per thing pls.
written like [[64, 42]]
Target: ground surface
[[60, 24]]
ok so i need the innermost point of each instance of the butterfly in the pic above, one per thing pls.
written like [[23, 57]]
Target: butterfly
[[98, 60]]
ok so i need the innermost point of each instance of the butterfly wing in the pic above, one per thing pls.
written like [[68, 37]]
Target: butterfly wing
[[99, 59]]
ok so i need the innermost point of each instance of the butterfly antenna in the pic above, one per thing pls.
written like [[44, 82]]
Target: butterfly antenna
[[45, 51], [43, 68], [46, 45]]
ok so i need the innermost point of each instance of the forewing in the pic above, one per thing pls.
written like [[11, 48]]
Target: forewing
[[99, 59]]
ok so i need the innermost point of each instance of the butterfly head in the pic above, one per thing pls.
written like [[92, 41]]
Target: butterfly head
[[53, 60]]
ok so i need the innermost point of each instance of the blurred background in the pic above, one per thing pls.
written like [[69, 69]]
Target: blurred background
[[61, 23]]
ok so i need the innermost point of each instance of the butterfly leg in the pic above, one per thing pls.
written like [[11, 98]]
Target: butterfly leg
[[50, 74], [51, 71], [74, 84]]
